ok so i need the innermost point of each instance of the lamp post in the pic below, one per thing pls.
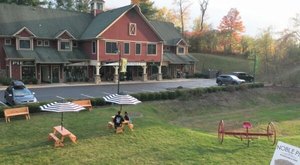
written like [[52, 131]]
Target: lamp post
[[119, 69]]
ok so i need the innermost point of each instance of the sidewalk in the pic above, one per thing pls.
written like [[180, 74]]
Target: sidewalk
[[3, 87]]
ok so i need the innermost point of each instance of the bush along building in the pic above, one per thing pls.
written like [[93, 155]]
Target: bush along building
[[54, 46]]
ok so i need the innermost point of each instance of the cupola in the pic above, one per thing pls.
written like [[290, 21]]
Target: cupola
[[97, 6]]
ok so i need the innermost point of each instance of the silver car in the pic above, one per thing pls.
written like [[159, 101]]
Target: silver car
[[17, 93], [229, 80]]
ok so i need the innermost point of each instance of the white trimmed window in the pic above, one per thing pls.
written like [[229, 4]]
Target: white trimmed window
[[39, 43], [111, 47], [180, 50], [151, 49], [132, 29], [94, 47], [7, 41], [126, 48], [24, 43], [46, 43], [138, 49], [65, 45]]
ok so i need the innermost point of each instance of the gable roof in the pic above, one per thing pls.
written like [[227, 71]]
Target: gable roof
[[103, 21], [44, 23], [167, 32]]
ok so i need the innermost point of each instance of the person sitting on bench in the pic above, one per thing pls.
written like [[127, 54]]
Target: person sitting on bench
[[118, 119]]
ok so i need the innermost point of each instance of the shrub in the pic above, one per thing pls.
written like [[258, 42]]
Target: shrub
[[163, 95], [201, 75], [98, 102], [5, 80]]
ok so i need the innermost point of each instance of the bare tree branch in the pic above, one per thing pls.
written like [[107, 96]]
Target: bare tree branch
[[203, 7]]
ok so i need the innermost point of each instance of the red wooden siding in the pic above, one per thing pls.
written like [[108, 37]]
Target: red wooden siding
[[25, 33], [87, 48], [119, 31]]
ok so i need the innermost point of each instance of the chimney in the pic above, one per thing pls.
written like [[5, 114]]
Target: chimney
[[97, 7]]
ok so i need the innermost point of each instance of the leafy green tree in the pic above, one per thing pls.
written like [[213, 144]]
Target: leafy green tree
[[26, 2], [148, 9], [65, 4], [82, 5]]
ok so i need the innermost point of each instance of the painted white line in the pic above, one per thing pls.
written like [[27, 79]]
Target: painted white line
[[87, 96], [3, 103], [60, 97], [127, 92], [106, 93], [147, 90]]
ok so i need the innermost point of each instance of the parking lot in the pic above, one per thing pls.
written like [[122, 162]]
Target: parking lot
[[55, 92]]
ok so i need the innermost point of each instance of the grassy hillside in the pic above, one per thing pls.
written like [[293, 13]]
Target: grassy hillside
[[166, 132], [226, 64]]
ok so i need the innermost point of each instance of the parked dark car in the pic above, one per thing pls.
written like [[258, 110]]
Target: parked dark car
[[244, 76], [16, 93], [228, 80]]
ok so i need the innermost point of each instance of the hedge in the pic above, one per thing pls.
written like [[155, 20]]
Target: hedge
[[180, 93]]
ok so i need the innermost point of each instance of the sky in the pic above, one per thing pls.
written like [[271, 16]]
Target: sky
[[256, 15]]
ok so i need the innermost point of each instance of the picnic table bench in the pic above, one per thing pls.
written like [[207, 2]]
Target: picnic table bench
[[85, 103], [62, 132], [111, 124], [10, 112]]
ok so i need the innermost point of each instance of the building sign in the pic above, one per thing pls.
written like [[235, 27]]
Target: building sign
[[286, 154]]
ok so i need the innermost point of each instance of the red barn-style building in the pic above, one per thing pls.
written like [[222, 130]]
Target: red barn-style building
[[52, 46]]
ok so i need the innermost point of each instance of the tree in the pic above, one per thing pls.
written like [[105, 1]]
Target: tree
[[82, 5], [265, 50], [231, 28], [147, 8], [65, 4], [26, 2], [167, 15], [203, 7], [184, 6]]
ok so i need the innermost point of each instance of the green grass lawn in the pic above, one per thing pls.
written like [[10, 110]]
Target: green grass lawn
[[181, 131], [226, 64]]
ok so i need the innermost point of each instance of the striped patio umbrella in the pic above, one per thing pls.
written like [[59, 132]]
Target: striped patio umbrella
[[62, 107], [121, 99]]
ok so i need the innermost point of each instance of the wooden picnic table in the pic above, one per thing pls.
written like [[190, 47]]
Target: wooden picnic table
[[63, 132]]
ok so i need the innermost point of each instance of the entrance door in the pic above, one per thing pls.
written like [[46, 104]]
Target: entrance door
[[45, 74], [55, 74]]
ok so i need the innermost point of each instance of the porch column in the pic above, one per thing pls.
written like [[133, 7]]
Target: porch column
[[159, 76], [98, 76], [116, 75], [145, 73]]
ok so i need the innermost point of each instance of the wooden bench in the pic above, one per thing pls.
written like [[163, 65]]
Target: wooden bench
[[85, 103], [16, 112], [57, 142], [110, 124], [73, 138]]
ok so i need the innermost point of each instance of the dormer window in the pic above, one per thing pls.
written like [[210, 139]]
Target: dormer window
[[65, 45], [7, 41], [24, 43], [180, 50]]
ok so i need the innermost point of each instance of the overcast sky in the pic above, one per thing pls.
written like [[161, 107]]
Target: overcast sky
[[256, 14]]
